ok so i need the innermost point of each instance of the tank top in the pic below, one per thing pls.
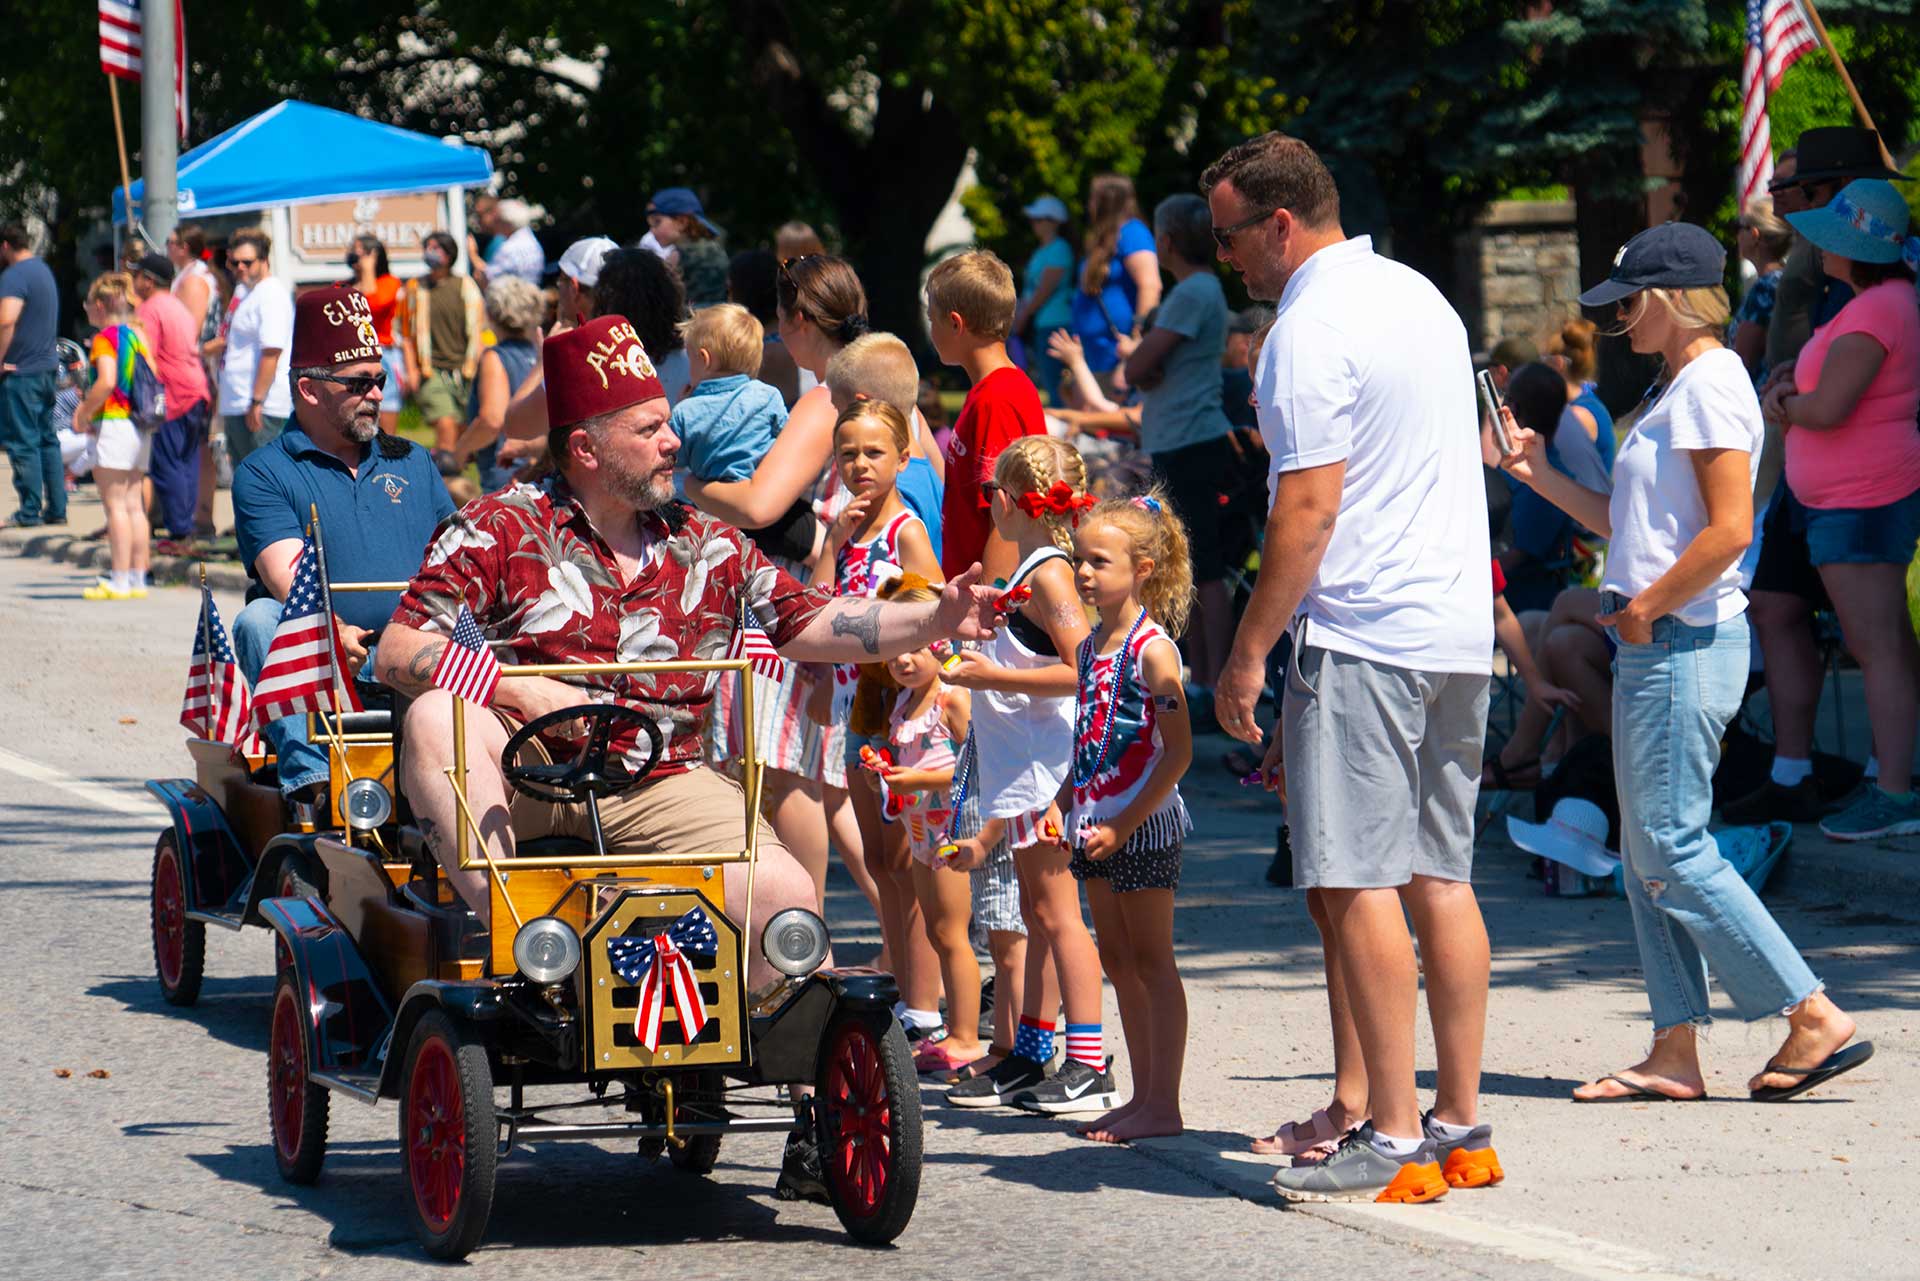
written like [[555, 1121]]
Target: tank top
[[1024, 742], [1115, 708], [210, 322], [861, 569], [923, 743]]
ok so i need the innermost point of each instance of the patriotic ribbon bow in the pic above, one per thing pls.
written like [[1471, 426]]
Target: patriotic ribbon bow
[[659, 964], [1058, 500]]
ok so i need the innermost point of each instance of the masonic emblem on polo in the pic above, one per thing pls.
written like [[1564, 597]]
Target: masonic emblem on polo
[[659, 964]]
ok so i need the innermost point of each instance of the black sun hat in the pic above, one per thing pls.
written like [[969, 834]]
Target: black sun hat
[[1832, 152], [1674, 255]]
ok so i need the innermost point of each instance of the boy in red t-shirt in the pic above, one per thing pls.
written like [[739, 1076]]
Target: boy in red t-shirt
[[970, 306]]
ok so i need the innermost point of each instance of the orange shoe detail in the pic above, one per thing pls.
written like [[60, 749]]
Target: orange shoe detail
[[1466, 1169], [1414, 1184]]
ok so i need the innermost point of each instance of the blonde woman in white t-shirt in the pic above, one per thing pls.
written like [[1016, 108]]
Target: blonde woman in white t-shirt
[[1679, 517]]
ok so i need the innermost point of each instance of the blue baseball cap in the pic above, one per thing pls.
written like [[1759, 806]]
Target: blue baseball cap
[[676, 201], [1674, 255], [1866, 222], [1047, 207]]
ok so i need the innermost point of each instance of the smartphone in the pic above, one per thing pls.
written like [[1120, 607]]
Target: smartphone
[[1491, 394]]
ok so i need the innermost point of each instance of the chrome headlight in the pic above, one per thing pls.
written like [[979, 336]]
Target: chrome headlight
[[546, 949], [795, 942], [366, 803]]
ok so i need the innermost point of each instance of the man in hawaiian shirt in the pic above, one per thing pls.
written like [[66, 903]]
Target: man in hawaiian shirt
[[598, 564]]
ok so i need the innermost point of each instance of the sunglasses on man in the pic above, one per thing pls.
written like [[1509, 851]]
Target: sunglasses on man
[[1223, 236], [356, 384]]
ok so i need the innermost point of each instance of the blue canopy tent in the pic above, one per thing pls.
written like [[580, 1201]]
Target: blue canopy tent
[[295, 153]]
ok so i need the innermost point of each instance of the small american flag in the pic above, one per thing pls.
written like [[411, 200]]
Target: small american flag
[[754, 645], [216, 705], [1778, 34], [305, 653], [467, 668], [122, 47]]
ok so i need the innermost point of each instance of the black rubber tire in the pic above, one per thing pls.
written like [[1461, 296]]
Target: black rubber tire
[[297, 1109], [890, 1079], [188, 937], [470, 1078], [297, 877]]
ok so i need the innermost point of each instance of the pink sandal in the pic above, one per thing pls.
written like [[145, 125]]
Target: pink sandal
[[1313, 1139], [936, 1057]]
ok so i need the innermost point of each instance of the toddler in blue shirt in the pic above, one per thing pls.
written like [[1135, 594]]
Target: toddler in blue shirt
[[727, 423]]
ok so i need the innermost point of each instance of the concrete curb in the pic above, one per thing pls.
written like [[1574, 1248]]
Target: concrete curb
[[59, 546]]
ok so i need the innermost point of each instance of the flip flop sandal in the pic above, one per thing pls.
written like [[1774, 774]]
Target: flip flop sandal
[[938, 1058], [1317, 1153], [1842, 1060], [1639, 1094], [1297, 1137]]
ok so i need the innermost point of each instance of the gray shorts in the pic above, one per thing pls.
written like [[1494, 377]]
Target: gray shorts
[[996, 886], [1383, 767]]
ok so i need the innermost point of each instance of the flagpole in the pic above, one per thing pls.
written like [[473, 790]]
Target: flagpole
[[120, 137], [333, 648], [212, 721], [159, 124], [1859, 107]]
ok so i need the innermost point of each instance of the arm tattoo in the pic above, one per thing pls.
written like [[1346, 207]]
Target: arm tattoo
[[863, 626], [1167, 702], [420, 667], [430, 831]]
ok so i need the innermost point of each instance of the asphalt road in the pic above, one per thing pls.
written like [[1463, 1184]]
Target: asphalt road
[[161, 1168]]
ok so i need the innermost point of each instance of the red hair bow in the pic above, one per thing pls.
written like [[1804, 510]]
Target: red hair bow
[[1059, 500]]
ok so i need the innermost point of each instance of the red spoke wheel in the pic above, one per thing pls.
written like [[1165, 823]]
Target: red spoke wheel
[[449, 1139], [179, 944], [296, 1107], [869, 1106]]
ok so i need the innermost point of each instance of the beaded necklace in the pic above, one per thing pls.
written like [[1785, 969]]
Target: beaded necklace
[[1113, 704]]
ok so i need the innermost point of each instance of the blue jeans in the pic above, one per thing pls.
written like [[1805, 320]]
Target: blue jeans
[[301, 762], [1672, 700], [33, 446]]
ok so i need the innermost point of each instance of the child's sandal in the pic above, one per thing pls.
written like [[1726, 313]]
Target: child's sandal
[[982, 1065]]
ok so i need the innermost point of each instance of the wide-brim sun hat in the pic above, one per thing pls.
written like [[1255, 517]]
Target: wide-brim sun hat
[[1575, 834], [1674, 255], [1047, 207], [1867, 222]]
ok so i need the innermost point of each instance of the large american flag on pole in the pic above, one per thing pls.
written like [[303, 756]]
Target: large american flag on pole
[[1778, 34], [122, 26], [305, 655], [216, 704], [467, 668]]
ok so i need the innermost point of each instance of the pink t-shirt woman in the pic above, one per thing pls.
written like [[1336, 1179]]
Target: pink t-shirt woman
[[1873, 457]]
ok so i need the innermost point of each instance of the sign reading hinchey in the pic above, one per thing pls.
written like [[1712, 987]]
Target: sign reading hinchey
[[322, 232]]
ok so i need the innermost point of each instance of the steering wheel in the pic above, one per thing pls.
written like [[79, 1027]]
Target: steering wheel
[[589, 774]]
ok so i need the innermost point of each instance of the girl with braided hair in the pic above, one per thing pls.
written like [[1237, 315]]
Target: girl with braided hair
[[1016, 762]]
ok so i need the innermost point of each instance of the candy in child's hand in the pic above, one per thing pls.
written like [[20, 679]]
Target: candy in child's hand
[[948, 656], [1013, 599], [1050, 830], [946, 852], [1257, 776]]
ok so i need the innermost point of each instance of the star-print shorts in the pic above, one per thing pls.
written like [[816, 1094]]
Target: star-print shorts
[[1136, 865]]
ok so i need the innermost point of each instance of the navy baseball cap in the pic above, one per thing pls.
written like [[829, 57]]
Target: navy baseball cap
[[1674, 255], [675, 201]]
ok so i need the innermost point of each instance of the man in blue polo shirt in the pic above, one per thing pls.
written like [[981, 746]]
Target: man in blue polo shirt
[[379, 500]]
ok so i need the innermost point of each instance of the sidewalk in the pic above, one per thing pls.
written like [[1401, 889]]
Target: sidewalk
[[82, 540]]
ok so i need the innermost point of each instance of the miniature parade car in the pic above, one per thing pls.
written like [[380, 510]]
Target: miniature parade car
[[622, 975]]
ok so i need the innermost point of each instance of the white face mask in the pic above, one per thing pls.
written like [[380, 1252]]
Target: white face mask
[[435, 258]]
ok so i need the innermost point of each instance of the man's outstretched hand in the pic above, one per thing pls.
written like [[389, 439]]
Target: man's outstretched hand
[[966, 610]]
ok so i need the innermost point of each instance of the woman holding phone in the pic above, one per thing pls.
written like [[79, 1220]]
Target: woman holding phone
[[1680, 516]]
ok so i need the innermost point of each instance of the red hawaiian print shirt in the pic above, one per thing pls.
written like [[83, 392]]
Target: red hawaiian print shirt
[[543, 584]]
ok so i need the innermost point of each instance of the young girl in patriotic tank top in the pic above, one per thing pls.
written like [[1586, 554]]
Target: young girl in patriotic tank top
[[1132, 744], [1022, 743], [872, 540]]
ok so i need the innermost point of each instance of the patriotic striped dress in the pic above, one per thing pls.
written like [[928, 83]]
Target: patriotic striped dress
[[1115, 706]]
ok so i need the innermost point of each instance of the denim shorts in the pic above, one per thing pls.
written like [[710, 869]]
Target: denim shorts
[[392, 398], [1884, 535]]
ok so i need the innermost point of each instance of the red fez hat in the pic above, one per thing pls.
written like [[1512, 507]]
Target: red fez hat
[[596, 369], [333, 326]]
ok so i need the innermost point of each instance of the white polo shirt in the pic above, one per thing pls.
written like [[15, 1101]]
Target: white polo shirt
[[1368, 364]]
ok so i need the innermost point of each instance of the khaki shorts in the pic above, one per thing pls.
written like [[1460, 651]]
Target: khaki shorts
[[443, 394]]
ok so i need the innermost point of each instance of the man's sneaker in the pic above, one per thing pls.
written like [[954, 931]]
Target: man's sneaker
[[802, 1177], [1771, 802], [1468, 1161], [1076, 1087], [1875, 815], [1008, 1077], [1358, 1171]]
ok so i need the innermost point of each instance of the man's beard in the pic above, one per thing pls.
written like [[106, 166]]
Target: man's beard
[[361, 428], [641, 490]]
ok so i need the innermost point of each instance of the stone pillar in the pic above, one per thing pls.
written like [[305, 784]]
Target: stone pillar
[[1519, 271]]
